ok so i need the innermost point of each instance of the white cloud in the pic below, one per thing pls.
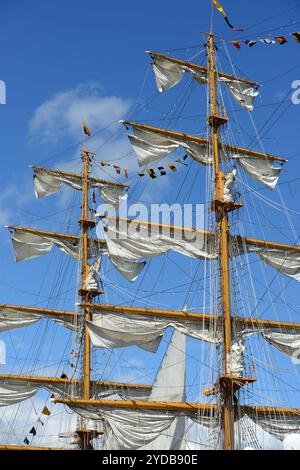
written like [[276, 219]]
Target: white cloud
[[12, 201], [63, 113]]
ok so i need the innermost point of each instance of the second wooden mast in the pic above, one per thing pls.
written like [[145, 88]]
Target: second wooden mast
[[221, 210]]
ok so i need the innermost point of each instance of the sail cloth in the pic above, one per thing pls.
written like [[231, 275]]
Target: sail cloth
[[14, 391], [29, 245], [131, 242], [151, 146], [280, 425], [47, 183], [284, 260], [117, 330], [168, 74], [11, 318]]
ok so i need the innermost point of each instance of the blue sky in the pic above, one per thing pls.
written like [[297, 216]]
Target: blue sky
[[64, 61]]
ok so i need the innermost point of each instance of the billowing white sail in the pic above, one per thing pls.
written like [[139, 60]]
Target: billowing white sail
[[28, 245], [151, 146], [115, 330], [48, 182], [133, 245], [168, 74]]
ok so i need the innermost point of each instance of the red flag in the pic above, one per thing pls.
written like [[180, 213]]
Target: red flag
[[236, 44], [117, 168]]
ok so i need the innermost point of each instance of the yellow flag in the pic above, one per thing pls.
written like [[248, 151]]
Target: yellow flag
[[46, 411], [85, 128], [219, 8]]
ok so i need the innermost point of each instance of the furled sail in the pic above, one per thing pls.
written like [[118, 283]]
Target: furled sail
[[280, 425], [48, 182], [14, 390], [28, 244], [285, 258], [151, 147], [116, 330], [131, 242], [14, 318], [152, 144], [169, 73]]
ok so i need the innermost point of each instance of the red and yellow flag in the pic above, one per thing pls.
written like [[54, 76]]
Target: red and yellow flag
[[222, 11]]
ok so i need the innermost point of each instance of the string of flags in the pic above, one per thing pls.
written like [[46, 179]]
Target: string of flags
[[33, 430], [277, 39], [151, 172]]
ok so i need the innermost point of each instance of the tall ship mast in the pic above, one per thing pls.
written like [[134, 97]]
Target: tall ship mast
[[129, 415]]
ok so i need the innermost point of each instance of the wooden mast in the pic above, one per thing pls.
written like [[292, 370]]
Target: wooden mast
[[223, 228], [84, 434]]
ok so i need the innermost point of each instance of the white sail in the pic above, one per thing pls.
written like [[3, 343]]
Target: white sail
[[132, 246], [151, 146], [48, 182], [13, 318], [116, 330], [168, 74]]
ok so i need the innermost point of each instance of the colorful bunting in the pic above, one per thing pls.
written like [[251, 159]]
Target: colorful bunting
[[104, 164], [281, 40], [162, 171], [32, 431], [236, 44], [85, 128], [221, 10], [172, 167], [46, 411], [151, 173], [250, 42], [267, 41], [126, 172], [296, 36], [117, 168]]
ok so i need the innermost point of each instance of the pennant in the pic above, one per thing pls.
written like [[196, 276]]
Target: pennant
[[151, 173], [26, 441], [104, 164], [185, 157], [281, 39], [117, 168], [250, 42], [126, 172], [268, 41], [222, 11], [32, 431], [141, 174], [85, 128], [296, 36], [162, 171], [40, 421], [172, 167], [45, 410], [236, 44]]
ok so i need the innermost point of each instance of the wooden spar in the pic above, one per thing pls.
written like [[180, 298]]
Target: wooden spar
[[200, 68], [172, 314], [204, 408], [201, 140], [66, 236], [170, 228], [79, 177], [267, 244], [197, 317], [223, 226], [33, 310], [56, 380]]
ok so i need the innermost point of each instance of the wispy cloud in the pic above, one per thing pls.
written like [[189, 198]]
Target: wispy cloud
[[62, 114]]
